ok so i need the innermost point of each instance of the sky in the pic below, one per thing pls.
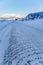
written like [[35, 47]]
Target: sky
[[20, 6]]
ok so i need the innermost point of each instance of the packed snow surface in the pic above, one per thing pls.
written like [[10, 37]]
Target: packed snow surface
[[26, 39]]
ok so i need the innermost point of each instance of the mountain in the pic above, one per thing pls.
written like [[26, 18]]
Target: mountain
[[10, 16], [33, 16]]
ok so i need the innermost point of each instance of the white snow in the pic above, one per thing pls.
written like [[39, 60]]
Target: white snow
[[26, 39]]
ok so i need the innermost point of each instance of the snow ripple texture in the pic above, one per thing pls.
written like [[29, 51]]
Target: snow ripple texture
[[25, 45]]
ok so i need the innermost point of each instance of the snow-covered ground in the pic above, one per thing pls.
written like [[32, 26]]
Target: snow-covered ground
[[26, 39]]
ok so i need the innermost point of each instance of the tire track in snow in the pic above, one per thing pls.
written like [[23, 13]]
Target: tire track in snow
[[6, 25], [24, 51]]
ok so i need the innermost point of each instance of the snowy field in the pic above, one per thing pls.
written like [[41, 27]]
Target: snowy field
[[25, 40]]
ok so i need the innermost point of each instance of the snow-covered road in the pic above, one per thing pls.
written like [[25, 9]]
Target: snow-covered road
[[24, 43]]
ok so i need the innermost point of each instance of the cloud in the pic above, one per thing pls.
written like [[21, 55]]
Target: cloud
[[11, 15]]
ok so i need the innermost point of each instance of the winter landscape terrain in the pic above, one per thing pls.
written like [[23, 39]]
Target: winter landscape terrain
[[21, 42], [21, 32]]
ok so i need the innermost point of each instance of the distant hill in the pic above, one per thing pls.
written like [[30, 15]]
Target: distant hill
[[11, 16], [33, 16]]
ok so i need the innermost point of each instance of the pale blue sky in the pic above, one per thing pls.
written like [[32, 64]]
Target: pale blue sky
[[20, 6]]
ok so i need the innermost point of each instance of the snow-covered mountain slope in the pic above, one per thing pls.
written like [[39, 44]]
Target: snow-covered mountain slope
[[32, 16], [21, 43], [11, 16]]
